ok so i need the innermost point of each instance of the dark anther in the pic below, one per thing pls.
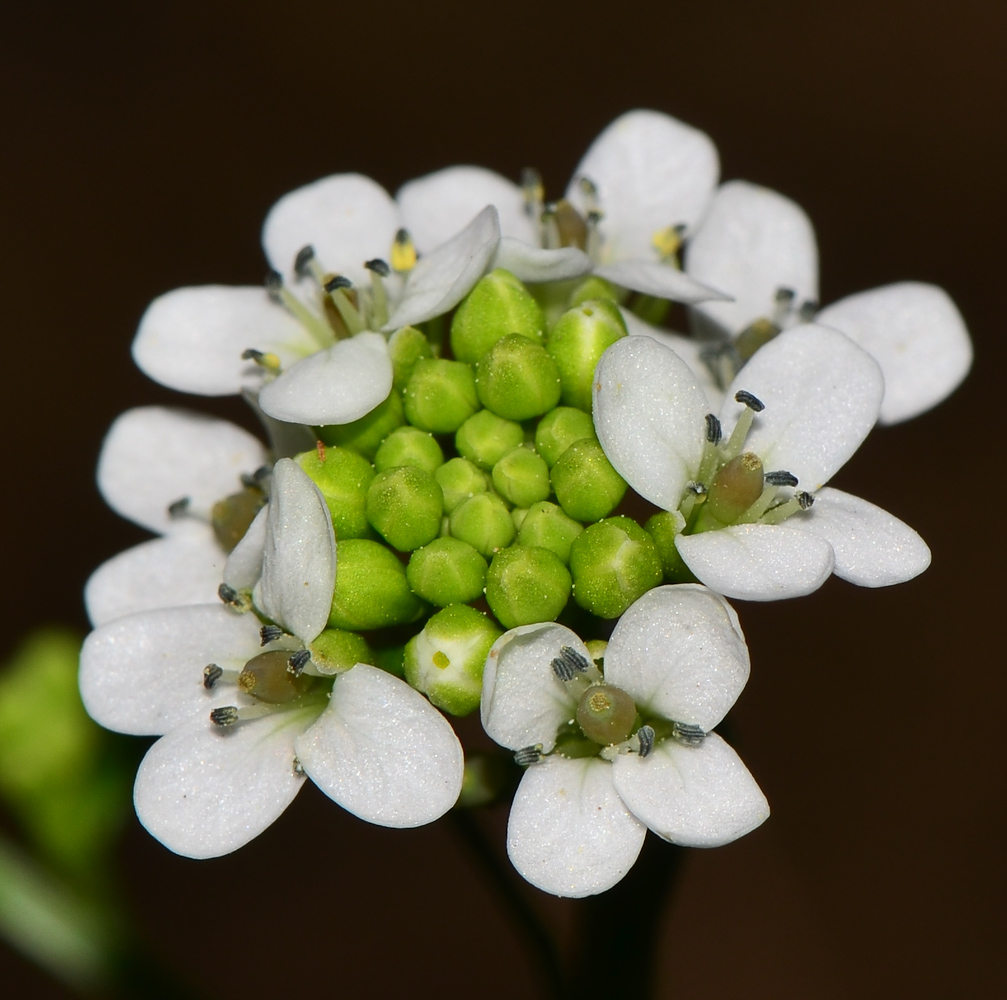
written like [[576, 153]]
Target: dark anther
[[528, 755], [806, 500], [594, 217], [807, 311], [255, 479], [645, 734], [229, 595], [274, 284], [298, 661], [402, 236], [696, 489], [785, 295], [378, 266], [339, 281], [588, 186], [226, 716], [752, 402], [781, 478], [298, 767], [714, 432], [211, 674], [251, 354], [304, 257], [179, 508], [688, 734], [568, 664], [269, 633]]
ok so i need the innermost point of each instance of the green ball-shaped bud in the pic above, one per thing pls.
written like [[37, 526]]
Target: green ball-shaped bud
[[521, 477], [593, 287], [445, 661], [517, 515], [336, 650], [459, 479], [577, 342], [527, 584], [447, 571], [484, 522], [440, 395], [614, 562], [371, 589], [405, 505], [405, 348], [409, 446], [517, 378], [366, 434], [343, 477], [664, 527], [559, 429], [546, 526], [485, 438], [585, 484], [498, 305]]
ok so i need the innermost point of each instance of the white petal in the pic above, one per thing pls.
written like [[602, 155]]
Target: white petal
[[916, 334], [532, 263], [299, 555], [443, 277], [650, 417], [383, 752], [334, 386], [696, 796], [192, 339], [434, 208], [651, 171], [822, 395], [285, 440], [153, 456], [523, 703], [347, 218], [244, 565], [204, 791], [872, 547], [183, 568], [143, 674], [656, 278], [752, 242], [569, 833], [758, 562], [680, 652]]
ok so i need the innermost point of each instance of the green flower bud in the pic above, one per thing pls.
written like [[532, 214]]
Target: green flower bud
[[459, 479], [390, 659], [440, 395], [577, 342], [614, 562], [485, 438], [521, 477], [342, 476], [664, 527], [409, 446], [406, 347], [335, 650], [559, 429], [371, 589], [405, 505], [447, 571], [586, 485], [484, 522], [517, 378], [364, 435], [549, 528], [498, 305], [525, 585], [445, 661], [593, 287], [517, 515]]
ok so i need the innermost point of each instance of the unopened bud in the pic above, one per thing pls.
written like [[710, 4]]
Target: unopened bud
[[546, 526], [586, 485], [498, 305], [440, 395], [517, 378], [336, 650], [485, 438], [365, 435], [484, 522], [405, 348], [409, 446], [577, 342], [527, 584], [559, 429], [521, 477], [459, 479], [342, 477], [405, 505], [371, 589], [447, 571]]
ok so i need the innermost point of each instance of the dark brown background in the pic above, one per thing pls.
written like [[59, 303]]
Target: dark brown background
[[142, 146]]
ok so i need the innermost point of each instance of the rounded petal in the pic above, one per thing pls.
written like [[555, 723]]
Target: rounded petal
[[435, 207], [192, 339], [650, 415], [204, 791], [758, 562], [443, 277], [334, 386], [299, 554], [872, 547], [680, 652], [652, 277], [244, 565], [382, 751], [569, 833], [153, 456], [822, 394], [915, 332], [650, 171], [695, 796], [531, 263], [183, 568], [523, 703], [347, 218], [143, 674], [752, 242]]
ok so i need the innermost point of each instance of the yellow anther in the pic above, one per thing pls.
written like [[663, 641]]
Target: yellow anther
[[403, 256], [667, 241]]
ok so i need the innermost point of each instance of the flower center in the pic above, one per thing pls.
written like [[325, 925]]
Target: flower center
[[268, 677], [606, 714]]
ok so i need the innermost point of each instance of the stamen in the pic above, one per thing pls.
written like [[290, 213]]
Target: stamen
[[696, 489], [378, 266], [714, 432], [274, 285], [668, 241], [688, 734], [533, 190], [379, 297], [800, 501], [302, 262], [298, 768], [550, 227], [569, 663], [806, 500], [179, 508], [807, 311], [752, 402], [592, 242], [233, 598], [298, 661], [226, 716], [211, 674], [783, 304], [403, 252], [339, 281], [781, 478], [527, 756], [336, 288], [264, 359], [270, 633], [645, 734], [318, 328]]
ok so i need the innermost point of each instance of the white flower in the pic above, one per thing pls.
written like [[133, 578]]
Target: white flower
[[821, 395], [678, 657], [760, 247], [208, 786]]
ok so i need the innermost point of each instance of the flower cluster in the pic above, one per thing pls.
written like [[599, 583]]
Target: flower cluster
[[495, 477]]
